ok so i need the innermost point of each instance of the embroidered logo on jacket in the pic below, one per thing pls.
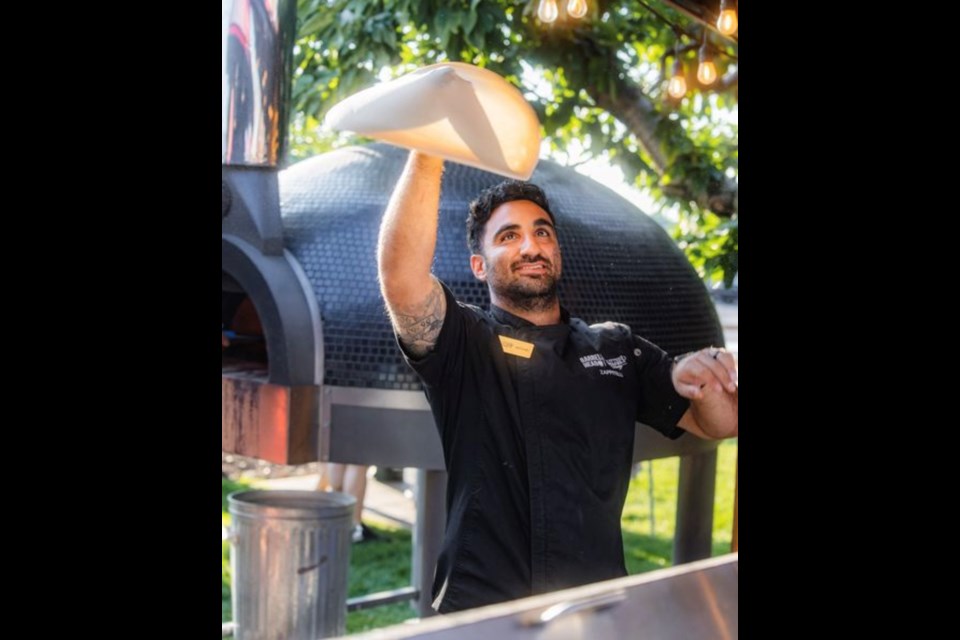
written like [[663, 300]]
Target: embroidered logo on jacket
[[608, 366]]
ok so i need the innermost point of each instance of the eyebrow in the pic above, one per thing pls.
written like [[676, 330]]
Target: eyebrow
[[539, 222]]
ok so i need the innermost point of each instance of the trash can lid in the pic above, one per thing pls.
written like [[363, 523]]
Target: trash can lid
[[291, 505]]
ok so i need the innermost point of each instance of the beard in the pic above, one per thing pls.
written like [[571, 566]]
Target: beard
[[525, 292]]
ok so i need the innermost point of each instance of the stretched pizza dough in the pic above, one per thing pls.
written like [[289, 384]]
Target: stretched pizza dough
[[453, 110]]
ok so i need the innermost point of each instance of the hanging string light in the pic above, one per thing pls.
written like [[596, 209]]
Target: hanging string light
[[727, 22], [677, 87], [547, 11], [706, 71], [577, 8]]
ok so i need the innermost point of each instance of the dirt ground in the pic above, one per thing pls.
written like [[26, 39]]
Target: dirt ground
[[236, 467]]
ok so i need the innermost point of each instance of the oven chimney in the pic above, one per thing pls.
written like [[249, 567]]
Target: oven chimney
[[256, 57]]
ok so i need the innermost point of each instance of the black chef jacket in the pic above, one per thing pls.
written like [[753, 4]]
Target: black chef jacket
[[538, 449]]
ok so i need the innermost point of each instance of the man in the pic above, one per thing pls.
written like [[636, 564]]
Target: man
[[535, 409]]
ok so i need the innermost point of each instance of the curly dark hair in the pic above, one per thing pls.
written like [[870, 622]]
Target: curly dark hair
[[491, 198]]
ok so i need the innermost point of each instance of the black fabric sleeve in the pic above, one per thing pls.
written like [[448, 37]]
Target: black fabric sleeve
[[659, 404]]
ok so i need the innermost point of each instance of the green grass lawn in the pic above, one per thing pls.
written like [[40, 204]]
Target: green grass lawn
[[384, 564], [646, 549]]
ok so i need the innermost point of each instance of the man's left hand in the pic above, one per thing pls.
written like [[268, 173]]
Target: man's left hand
[[705, 371]]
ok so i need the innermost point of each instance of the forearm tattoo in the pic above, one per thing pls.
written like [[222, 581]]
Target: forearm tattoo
[[419, 325]]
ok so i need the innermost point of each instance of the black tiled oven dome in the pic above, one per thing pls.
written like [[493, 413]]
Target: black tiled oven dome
[[618, 264]]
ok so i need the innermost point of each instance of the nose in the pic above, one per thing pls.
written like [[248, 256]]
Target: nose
[[529, 246]]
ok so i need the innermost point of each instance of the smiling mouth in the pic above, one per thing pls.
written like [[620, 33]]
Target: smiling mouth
[[532, 268]]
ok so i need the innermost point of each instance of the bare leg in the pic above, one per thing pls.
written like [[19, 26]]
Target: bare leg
[[331, 477], [350, 479], [355, 483]]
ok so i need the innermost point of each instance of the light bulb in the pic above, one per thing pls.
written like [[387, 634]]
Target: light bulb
[[727, 22], [577, 8], [547, 11], [677, 87], [707, 72]]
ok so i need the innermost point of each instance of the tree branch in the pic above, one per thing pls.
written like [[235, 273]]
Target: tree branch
[[628, 104], [638, 113]]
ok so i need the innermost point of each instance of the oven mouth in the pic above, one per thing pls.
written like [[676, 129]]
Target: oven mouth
[[243, 345]]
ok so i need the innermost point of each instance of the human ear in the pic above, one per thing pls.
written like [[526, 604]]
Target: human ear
[[479, 267]]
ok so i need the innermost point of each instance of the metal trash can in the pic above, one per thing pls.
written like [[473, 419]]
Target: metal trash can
[[289, 556]]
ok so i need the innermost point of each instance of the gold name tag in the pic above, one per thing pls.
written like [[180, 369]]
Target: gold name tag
[[516, 347]]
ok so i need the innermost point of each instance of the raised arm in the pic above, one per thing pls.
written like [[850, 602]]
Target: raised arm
[[408, 239]]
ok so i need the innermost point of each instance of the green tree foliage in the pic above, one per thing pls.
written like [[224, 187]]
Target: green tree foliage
[[604, 85]]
